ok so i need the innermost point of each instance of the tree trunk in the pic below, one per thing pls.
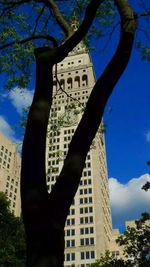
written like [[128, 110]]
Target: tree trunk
[[44, 214], [44, 236]]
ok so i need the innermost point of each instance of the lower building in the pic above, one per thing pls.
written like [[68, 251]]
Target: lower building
[[10, 164], [88, 226]]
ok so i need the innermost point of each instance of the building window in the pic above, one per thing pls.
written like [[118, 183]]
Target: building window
[[68, 232], [86, 230], [82, 231], [68, 243], [81, 210], [72, 232], [73, 256], [91, 219], [82, 255], [69, 82], [92, 241], [91, 230], [72, 221], [82, 242], [87, 255], [85, 79], [67, 257], [81, 220], [77, 81], [81, 200], [92, 254], [87, 241], [72, 243]]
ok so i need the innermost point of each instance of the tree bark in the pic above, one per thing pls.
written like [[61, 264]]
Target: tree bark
[[44, 214], [45, 240], [66, 187]]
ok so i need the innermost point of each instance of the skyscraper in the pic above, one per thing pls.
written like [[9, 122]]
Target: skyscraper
[[10, 173], [88, 226]]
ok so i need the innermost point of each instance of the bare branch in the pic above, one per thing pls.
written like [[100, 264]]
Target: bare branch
[[58, 16], [82, 30], [37, 19], [23, 41], [145, 14]]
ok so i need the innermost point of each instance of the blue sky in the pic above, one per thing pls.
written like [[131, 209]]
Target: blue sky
[[127, 133], [127, 119], [127, 136]]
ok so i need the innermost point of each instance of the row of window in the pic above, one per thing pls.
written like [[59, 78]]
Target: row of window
[[86, 173], [6, 150], [86, 220], [85, 191], [87, 255], [53, 147], [12, 180], [52, 170], [53, 162], [87, 241], [71, 212], [70, 222], [52, 178], [83, 242], [86, 210], [85, 182], [54, 140], [70, 243], [70, 257], [71, 83], [83, 92], [82, 104], [6, 157], [86, 200], [86, 230], [10, 194], [4, 163], [70, 232], [11, 187], [83, 255], [70, 63]]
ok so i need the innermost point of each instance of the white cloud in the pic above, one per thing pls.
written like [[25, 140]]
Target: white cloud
[[6, 129], [148, 136], [20, 98], [128, 201]]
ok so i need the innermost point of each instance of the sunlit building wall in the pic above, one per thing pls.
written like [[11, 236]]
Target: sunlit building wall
[[10, 173], [88, 226]]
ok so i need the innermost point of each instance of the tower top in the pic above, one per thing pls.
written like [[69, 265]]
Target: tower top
[[74, 22], [81, 47]]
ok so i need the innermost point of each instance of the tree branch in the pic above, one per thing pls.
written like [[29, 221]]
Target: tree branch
[[23, 41], [37, 19], [58, 16], [145, 14], [68, 181], [90, 13]]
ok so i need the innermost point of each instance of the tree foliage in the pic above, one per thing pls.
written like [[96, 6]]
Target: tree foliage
[[12, 238], [136, 247], [27, 24], [136, 242], [44, 214]]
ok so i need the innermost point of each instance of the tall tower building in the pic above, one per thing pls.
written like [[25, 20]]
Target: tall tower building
[[88, 225], [10, 173]]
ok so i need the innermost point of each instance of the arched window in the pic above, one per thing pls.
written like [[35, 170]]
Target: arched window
[[54, 85], [77, 81], [62, 83], [69, 82], [85, 80]]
